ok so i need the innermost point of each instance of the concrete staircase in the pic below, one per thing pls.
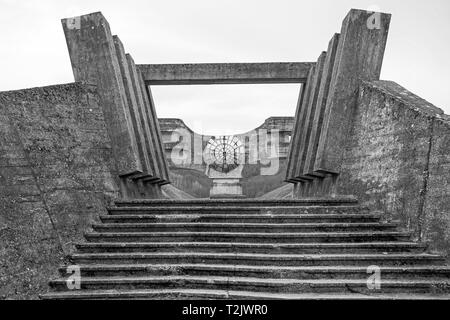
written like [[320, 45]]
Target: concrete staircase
[[250, 249]]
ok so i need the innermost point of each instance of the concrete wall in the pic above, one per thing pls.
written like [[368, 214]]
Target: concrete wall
[[56, 177], [397, 161]]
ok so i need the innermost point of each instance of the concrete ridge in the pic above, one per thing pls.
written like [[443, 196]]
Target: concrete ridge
[[191, 294], [407, 98], [210, 279], [243, 225], [278, 202], [244, 244], [187, 207], [255, 234], [262, 256], [243, 216], [170, 266]]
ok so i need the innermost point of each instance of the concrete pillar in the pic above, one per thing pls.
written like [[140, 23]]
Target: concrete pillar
[[158, 159], [306, 127], [147, 134], [299, 119], [155, 129], [292, 145], [316, 128], [160, 145], [359, 57], [94, 60], [133, 107]]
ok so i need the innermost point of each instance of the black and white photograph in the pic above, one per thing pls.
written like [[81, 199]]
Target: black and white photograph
[[219, 155]]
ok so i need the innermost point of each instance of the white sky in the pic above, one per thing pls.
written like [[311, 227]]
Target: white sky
[[33, 49]]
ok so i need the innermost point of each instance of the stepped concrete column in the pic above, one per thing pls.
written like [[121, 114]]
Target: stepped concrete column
[[133, 108], [94, 61], [316, 128], [147, 134], [359, 57], [300, 114], [309, 112]]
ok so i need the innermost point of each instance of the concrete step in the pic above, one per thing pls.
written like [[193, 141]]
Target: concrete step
[[243, 227], [190, 294], [237, 210], [258, 285], [259, 259], [268, 237], [270, 248], [242, 218], [341, 201], [263, 272], [250, 249]]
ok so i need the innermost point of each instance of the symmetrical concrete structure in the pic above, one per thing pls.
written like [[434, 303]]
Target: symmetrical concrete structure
[[370, 162]]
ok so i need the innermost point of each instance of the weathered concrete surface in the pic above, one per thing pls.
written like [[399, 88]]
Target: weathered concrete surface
[[132, 106], [397, 160], [158, 138], [147, 133], [306, 126], [171, 192], [159, 161], [94, 60], [359, 57], [436, 211], [56, 175], [284, 192], [225, 73], [324, 89], [294, 149]]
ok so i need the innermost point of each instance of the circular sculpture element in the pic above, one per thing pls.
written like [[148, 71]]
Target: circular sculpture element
[[223, 154]]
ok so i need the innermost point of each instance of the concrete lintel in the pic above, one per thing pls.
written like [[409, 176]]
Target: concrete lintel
[[225, 73]]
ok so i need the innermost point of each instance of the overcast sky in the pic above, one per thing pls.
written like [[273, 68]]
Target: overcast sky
[[34, 53]]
